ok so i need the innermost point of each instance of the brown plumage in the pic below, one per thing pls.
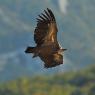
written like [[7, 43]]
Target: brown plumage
[[45, 36]]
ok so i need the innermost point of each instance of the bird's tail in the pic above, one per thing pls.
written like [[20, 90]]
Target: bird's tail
[[30, 50]]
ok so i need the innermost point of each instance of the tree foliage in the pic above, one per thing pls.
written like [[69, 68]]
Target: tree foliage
[[70, 83]]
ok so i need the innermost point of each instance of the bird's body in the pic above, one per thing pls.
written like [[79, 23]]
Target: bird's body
[[45, 36]]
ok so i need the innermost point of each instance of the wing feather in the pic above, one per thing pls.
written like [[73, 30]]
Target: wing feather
[[46, 30], [42, 18], [51, 15], [45, 16]]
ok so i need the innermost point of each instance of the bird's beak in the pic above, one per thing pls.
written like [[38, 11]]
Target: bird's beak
[[64, 49]]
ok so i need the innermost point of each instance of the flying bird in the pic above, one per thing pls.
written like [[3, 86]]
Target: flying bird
[[45, 37]]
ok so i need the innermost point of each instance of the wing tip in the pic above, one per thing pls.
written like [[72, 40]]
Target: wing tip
[[51, 14]]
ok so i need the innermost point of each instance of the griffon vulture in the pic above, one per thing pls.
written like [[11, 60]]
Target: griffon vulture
[[45, 37]]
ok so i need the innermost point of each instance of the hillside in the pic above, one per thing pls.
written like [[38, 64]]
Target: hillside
[[70, 83]]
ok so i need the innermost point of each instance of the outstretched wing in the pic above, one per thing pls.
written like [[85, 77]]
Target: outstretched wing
[[46, 30]]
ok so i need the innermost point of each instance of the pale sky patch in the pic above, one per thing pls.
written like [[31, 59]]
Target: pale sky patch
[[63, 5], [11, 19]]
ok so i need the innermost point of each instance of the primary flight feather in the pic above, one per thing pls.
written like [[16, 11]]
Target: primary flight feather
[[45, 37]]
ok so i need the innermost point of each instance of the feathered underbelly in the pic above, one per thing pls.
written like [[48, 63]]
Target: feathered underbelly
[[45, 50]]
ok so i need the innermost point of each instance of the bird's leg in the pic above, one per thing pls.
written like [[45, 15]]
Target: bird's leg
[[36, 53]]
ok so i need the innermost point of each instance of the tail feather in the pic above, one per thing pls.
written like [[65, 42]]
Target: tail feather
[[30, 50]]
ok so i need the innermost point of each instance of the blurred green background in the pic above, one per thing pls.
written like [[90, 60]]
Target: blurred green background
[[22, 75], [69, 83]]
